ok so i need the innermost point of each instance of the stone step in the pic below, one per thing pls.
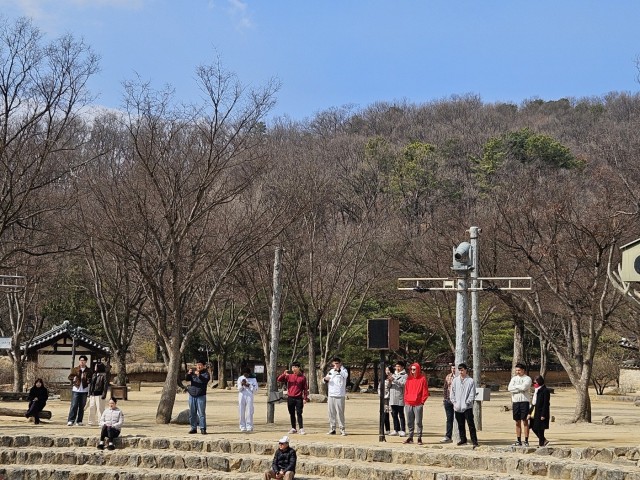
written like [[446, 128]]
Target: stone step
[[101, 472], [428, 465], [395, 462]]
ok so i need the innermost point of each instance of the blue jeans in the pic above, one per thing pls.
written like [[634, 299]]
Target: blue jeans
[[197, 412], [76, 411]]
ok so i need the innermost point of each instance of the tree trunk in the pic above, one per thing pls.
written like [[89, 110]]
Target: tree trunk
[[311, 359], [18, 374], [168, 395], [365, 367], [121, 362], [582, 413], [544, 355], [518, 342], [221, 358]]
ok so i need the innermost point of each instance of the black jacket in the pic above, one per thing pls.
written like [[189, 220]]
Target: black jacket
[[284, 460], [198, 385], [99, 385], [41, 393], [542, 408]]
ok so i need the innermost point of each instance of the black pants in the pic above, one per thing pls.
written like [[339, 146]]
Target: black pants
[[539, 433], [448, 410], [468, 416], [397, 413], [34, 411], [109, 433], [295, 404]]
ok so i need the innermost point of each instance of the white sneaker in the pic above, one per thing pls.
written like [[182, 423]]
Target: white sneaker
[[242, 429], [293, 430], [387, 432], [79, 424], [69, 424], [446, 440], [392, 433], [343, 432], [401, 433], [302, 432]]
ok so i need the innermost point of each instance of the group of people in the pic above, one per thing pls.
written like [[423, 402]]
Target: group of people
[[85, 383], [529, 412], [405, 396]]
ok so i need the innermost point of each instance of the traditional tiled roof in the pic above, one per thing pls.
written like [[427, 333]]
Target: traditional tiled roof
[[66, 329]]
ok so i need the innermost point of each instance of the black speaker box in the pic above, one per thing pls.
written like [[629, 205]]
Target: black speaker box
[[383, 334]]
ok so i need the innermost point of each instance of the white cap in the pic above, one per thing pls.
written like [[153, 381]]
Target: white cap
[[284, 439]]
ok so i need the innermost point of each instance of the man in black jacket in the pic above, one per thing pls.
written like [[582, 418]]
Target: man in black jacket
[[284, 462], [199, 377]]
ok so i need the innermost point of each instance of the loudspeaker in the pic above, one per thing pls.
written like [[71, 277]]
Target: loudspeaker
[[383, 334]]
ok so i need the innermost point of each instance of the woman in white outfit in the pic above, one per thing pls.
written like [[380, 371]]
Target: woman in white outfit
[[247, 387]]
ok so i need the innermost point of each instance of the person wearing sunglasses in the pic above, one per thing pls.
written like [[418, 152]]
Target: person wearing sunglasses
[[416, 392]]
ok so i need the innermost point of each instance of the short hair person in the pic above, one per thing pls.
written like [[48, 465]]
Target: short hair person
[[336, 380], [284, 462], [520, 389], [80, 378], [297, 395], [247, 387], [463, 394], [199, 378]]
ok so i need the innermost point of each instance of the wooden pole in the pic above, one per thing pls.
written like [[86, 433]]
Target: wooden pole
[[275, 333]]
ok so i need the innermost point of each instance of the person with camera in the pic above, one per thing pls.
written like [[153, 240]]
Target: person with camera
[[247, 387], [199, 378], [396, 381], [297, 395], [336, 380]]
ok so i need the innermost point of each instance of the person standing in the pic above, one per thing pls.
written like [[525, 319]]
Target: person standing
[[448, 405], [111, 423], [416, 392], [80, 377], [38, 396], [297, 395], [463, 394], [284, 462], [336, 380], [397, 381], [540, 407], [199, 378], [520, 388], [98, 393], [247, 387]]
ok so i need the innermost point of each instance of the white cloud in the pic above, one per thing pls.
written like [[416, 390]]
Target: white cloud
[[239, 11]]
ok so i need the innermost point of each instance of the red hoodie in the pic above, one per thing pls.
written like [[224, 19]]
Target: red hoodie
[[416, 390]]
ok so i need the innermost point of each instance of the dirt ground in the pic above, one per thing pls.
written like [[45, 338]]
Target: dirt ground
[[361, 417]]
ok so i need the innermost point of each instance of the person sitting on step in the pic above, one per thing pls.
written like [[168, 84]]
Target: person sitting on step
[[111, 424]]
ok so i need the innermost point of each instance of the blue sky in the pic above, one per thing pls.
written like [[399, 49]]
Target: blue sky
[[356, 52]]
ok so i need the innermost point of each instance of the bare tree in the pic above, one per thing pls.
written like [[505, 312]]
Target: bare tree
[[181, 208], [42, 87]]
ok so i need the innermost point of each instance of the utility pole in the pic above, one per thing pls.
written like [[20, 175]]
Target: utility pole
[[476, 337], [465, 267], [275, 334]]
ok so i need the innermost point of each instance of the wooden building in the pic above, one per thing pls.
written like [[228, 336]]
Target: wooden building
[[52, 354]]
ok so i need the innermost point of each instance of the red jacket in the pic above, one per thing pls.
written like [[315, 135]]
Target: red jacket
[[296, 385], [416, 390]]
